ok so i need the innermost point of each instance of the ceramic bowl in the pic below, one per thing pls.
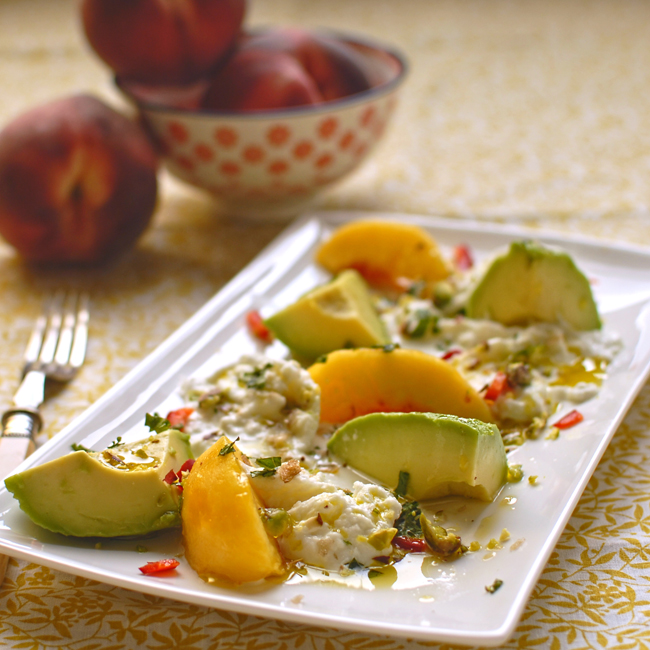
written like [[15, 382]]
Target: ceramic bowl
[[271, 163]]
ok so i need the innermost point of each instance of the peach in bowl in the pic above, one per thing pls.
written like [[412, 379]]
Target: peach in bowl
[[288, 114]]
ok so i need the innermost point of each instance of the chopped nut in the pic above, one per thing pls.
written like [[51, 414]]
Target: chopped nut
[[288, 470]]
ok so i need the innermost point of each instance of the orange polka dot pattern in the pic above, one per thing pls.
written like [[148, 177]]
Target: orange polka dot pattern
[[263, 157]]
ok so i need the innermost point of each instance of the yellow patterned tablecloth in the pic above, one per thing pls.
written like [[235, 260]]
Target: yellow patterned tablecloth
[[532, 110]]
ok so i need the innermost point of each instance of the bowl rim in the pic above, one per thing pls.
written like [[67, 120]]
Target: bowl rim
[[325, 107]]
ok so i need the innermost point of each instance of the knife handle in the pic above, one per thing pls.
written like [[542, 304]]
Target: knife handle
[[19, 426]]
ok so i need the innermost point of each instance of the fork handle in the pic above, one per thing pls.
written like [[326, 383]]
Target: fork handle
[[19, 426], [21, 423]]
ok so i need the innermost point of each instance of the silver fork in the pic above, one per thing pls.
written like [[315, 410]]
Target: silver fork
[[56, 350]]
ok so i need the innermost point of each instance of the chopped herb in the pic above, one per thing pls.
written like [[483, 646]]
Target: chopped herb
[[269, 464], [156, 423], [373, 573], [255, 379], [408, 523], [321, 359], [354, 564], [77, 447], [420, 323], [228, 448], [402, 484], [115, 443], [416, 288], [494, 586]]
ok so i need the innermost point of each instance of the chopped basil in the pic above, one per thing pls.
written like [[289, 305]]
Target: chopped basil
[[269, 464], [402, 484], [228, 448], [408, 523], [354, 564], [156, 423], [420, 323], [255, 378]]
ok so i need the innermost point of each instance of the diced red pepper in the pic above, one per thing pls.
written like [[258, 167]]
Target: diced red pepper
[[415, 544], [159, 566], [257, 327], [450, 354], [179, 417], [187, 466], [499, 386], [569, 420], [170, 477], [463, 259]]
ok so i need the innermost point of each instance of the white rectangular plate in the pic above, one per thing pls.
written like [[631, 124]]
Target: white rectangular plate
[[427, 601]]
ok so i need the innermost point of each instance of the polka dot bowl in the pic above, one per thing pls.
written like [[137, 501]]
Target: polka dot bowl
[[271, 163]]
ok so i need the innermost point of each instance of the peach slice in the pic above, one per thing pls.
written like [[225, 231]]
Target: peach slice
[[223, 533], [388, 254], [372, 380]]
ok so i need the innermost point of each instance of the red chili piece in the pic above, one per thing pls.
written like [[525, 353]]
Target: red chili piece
[[170, 477], [257, 327], [179, 417], [499, 386], [569, 420], [450, 354], [463, 258], [159, 566], [187, 466], [415, 544]]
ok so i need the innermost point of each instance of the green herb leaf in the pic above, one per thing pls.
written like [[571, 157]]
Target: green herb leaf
[[255, 378], [156, 423], [115, 443], [77, 447], [408, 523], [269, 464], [228, 448], [420, 323], [402, 484], [354, 564]]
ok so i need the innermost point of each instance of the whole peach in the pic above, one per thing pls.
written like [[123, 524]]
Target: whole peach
[[336, 67], [162, 41], [260, 80], [77, 182]]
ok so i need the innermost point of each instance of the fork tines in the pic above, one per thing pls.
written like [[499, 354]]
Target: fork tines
[[57, 344]]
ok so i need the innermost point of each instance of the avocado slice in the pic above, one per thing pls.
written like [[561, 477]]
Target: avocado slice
[[336, 315], [443, 454], [111, 493], [531, 282]]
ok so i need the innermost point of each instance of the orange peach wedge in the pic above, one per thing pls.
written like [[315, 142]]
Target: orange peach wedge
[[388, 254], [372, 380], [223, 533]]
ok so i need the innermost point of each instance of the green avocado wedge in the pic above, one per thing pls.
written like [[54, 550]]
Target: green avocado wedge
[[532, 283], [335, 315], [443, 454], [111, 493]]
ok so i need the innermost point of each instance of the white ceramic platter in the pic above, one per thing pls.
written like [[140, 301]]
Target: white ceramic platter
[[423, 600]]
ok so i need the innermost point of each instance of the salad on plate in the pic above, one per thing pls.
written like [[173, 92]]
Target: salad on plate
[[375, 397]]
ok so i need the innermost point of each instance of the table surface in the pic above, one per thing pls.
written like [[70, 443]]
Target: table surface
[[535, 112]]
